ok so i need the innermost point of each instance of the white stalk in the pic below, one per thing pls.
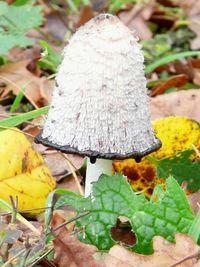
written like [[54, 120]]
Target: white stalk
[[94, 170]]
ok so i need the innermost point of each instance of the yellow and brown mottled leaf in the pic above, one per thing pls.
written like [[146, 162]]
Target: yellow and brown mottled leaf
[[23, 172], [176, 134]]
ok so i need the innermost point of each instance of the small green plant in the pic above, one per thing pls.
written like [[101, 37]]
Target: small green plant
[[167, 213], [50, 59]]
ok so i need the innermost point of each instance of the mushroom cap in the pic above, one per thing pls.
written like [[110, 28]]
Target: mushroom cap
[[100, 106]]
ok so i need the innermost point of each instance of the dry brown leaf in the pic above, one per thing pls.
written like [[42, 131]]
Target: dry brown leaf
[[86, 14], [16, 75], [194, 200], [181, 103], [192, 9], [166, 254], [173, 81], [136, 19], [70, 252], [70, 184], [59, 165]]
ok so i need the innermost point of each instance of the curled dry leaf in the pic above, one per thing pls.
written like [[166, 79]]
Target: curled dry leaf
[[173, 81], [70, 252], [181, 103], [182, 254]]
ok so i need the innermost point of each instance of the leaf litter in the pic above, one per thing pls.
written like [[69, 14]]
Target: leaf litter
[[183, 102]]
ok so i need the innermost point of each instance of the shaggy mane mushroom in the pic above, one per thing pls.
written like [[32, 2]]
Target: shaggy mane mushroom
[[100, 107]]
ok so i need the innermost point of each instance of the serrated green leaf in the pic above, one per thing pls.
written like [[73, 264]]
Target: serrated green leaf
[[170, 214], [112, 196], [3, 8], [181, 168], [28, 17], [14, 22], [14, 39]]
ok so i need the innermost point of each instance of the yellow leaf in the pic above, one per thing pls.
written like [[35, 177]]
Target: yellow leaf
[[23, 172], [176, 134]]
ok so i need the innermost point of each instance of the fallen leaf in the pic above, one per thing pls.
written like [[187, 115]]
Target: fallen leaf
[[59, 165], [56, 20], [16, 76], [176, 134], [194, 200], [70, 184], [70, 252], [137, 18], [192, 9], [184, 254], [173, 81], [181, 103], [23, 172], [86, 14]]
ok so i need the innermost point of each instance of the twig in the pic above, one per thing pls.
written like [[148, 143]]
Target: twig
[[72, 168], [27, 246], [14, 203], [25, 211], [69, 221], [186, 258], [41, 257]]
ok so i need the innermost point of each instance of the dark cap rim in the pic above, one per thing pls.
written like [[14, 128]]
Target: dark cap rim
[[95, 154]]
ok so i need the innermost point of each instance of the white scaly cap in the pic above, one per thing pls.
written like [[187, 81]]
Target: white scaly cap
[[100, 106]]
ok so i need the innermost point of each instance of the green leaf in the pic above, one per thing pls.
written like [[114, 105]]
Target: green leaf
[[18, 98], [28, 17], [112, 196], [12, 30], [170, 214], [10, 40], [3, 8], [195, 227], [20, 2], [16, 120], [181, 168], [50, 59]]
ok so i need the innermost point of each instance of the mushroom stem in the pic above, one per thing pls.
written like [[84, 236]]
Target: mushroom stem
[[94, 171]]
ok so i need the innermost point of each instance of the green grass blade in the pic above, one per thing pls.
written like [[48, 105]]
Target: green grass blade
[[18, 98], [170, 58], [16, 120], [195, 227]]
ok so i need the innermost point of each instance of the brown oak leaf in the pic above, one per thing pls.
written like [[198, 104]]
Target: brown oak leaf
[[166, 254]]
